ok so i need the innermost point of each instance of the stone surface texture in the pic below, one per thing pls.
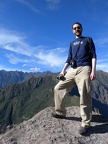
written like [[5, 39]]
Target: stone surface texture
[[44, 129]]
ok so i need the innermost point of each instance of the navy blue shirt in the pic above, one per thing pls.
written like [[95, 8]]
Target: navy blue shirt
[[85, 53]]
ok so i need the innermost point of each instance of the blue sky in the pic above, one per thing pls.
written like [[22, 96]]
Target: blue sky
[[35, 34]]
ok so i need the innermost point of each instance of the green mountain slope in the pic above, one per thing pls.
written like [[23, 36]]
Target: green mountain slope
[[21, 101]]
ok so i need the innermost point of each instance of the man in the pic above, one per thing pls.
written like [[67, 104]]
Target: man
[[82, 51]]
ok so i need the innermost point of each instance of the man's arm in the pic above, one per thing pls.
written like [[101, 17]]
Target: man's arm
[[63, 72], [93, 71]]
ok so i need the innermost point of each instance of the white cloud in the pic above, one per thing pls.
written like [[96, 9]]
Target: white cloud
[[102, 42], [15, 59], [17, 50], [102, 61], [30, 6], [53, 4], [11, 41], [54, 58], [102, 65], [3, 67], [35, 69], [24, 65]]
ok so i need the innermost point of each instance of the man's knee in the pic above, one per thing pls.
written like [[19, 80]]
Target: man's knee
[[56, 88]]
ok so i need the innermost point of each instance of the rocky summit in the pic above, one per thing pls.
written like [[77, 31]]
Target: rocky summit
[[44, 129]]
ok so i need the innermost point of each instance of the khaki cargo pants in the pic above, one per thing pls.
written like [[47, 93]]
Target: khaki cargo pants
[[80, 77]]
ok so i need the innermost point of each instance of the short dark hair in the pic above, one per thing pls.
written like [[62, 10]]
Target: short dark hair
[[77, 23]]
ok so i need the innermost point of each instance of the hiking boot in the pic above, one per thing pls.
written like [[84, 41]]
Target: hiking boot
[[82, 130], [58, 116]]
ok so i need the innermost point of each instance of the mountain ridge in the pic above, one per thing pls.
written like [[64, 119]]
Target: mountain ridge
[[20, 101], [13, 77]]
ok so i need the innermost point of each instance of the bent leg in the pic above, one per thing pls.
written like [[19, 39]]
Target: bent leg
[[61, 89]]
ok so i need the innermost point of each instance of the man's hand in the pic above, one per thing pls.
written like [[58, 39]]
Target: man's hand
[[63, 72], [92, 76]]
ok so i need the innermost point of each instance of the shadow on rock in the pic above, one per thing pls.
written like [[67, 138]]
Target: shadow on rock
[[97, 129], [101, 125], [99, 119], [73, 118]]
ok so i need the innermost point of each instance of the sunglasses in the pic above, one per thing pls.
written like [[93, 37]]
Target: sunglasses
[[76, 28]]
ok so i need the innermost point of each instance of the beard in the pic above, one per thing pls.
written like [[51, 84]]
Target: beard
[[78, 33]]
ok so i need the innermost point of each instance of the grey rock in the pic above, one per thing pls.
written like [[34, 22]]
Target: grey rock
[[44, 129]]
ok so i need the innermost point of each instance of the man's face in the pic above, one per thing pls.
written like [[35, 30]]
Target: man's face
[[77, 30]]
